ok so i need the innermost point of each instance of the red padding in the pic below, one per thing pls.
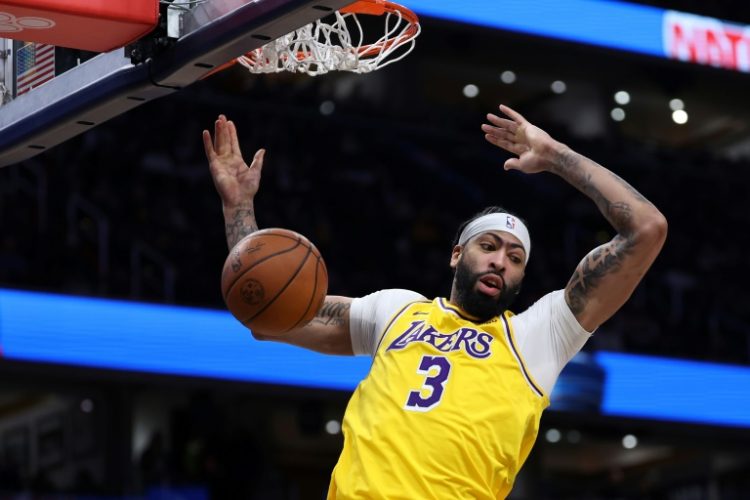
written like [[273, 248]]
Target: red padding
[[95, 25]]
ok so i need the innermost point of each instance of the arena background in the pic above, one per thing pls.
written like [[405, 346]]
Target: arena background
[[378, 171]]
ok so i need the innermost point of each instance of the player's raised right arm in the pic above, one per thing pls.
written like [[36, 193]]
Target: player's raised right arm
[[328, 332], [236, 183]]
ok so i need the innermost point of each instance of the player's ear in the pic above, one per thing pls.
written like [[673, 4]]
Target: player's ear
[[455, 255]]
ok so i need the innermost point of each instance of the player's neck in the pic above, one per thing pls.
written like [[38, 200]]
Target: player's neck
[[453, 303]]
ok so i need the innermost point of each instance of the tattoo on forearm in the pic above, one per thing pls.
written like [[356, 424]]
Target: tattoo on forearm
[[596, 265], [638, 196], [566, 162], [241, 224], [618, 213], [568, 166], [332, 313]]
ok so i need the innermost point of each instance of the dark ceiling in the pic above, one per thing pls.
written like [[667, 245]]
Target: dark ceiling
[[452, 55]]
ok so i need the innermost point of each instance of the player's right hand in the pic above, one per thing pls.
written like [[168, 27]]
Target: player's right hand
[[236, 183]]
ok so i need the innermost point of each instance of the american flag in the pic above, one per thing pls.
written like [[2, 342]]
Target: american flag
[[35, 64]]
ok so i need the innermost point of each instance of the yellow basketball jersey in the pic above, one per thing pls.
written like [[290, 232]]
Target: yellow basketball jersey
[[448, 411]]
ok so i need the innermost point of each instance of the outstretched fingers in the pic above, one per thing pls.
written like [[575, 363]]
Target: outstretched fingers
[[222, 138], [510, 146], [258, 159], [502, 123], [208, 145], [504, 138], [514, 115], [500, 133], [233, 141]]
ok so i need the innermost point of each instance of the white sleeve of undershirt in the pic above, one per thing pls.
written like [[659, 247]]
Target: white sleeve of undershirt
[[548, 336], [369, 317]]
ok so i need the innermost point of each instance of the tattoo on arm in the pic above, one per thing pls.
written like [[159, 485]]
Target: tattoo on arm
[[567, 166], [618, 213], [624, 208], [332, 313], [597, 264], [241, 224], [638, 196]]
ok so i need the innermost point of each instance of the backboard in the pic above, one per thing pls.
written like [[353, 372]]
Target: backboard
[[191, 40]]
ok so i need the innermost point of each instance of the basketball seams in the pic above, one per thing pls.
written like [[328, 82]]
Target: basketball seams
[[324, 271], [297, 290], [260, 261], [283, 288], [312, 295], [273, 231]]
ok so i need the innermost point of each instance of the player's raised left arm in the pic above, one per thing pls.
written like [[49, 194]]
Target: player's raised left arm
[[607, 276]]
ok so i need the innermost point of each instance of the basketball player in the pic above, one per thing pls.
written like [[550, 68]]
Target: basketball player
[[451, 406]]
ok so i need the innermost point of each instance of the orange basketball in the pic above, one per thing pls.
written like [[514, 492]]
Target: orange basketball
[[274, 280]]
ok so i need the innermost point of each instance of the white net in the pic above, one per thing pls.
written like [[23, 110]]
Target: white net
[[322, 46]]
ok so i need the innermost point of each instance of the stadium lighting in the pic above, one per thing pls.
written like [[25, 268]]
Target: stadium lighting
[[558, 87], [327, 108], [680, 116], [629, 441], [617, 114], [622, 97], [552, 436], [507, 77], [574, 436], [471, 91], [676, 104], [87, 406], [333, 427]]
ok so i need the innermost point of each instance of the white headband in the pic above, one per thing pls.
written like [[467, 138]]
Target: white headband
[[498, 222]]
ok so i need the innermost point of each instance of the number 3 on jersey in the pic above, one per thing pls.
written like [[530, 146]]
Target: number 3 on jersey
[[434, 383]]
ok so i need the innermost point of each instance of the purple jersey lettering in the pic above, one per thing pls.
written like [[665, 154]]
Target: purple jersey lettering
[[475, 343]]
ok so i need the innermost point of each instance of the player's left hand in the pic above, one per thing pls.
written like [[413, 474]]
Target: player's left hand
[[533, 146]]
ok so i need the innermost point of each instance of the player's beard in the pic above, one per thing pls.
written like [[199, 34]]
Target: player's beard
[[477, 304]]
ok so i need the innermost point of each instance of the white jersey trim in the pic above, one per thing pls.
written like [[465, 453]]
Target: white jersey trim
[[509, 337], [370, 316], [547, 334]]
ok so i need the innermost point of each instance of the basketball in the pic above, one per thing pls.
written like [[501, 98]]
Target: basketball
[[274, 280]]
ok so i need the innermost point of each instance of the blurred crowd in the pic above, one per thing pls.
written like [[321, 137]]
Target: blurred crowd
[[128, 210]]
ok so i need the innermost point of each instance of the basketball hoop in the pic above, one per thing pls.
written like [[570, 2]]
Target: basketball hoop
[[336, 43]]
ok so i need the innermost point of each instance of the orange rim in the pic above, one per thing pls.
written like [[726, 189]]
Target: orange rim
[[368, 7], [378, 8]]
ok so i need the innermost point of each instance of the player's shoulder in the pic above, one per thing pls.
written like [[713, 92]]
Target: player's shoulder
[[548, 304], [372, 312], [550, 312], [388, 300], [400, 293], [393, 298]]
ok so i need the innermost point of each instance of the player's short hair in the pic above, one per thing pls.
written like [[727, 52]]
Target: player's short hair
[[489, 210]]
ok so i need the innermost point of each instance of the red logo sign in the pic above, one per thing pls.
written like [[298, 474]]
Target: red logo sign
[[705, 40]]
